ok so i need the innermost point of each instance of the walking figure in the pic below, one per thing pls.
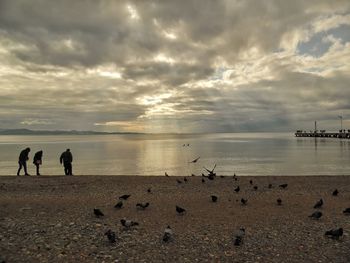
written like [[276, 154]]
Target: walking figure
[[67, 159], [37, 160], [22, 161]]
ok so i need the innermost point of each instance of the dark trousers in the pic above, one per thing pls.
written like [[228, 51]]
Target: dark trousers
[[24, 165], [37, 169], [68, 169]]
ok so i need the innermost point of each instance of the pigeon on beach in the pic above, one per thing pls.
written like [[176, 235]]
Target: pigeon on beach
[[168, 234], [119, 205], [128, 223], [180, 210], [111, 236], [124, 197], [319, 204], [316, 215], [334, 233], [142, 206], [98, 212]]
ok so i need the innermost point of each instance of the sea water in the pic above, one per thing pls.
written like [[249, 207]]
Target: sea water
[[152, 154]]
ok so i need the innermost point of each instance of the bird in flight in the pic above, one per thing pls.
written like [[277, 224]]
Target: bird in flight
[[195, 160]]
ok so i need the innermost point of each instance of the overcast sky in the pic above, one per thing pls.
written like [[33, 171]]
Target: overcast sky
[[174, 66]]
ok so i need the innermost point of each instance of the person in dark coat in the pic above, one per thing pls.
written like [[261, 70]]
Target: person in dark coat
[[37, 160], [67, 159], [22, 161]]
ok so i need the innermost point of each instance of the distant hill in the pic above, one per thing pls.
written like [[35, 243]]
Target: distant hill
[[57, 132]]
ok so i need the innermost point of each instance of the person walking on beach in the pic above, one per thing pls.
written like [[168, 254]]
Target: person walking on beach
[[67, 159], [37, 160], [22, 161]]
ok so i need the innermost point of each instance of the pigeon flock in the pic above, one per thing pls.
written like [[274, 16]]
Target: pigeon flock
[[238, 236]]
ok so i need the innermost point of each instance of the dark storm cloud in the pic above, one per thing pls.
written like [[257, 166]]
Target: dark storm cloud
[[201, 65]]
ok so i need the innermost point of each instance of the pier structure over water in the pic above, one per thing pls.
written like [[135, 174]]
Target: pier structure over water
[[342, 134]]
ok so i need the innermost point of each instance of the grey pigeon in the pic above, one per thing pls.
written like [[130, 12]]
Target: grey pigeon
[[334, 233], [316, 215]]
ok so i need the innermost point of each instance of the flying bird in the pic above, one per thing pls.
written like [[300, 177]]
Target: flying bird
[[142, 206], [195, 160], [237, 189], [124, 197], [168, 234], [334, 233], [244, 201], [319, 204], [180, 210], [98, 212], [111, 236], [128, 223], [279, 201], [283, 186], [316, 215], [239, 235], [214, 198], [346, 211], [119, 205], [335, 192]]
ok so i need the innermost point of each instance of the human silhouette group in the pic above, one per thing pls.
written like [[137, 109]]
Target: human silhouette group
[[66, 159]]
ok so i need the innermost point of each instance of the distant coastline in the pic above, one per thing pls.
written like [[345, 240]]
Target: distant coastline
[[57, 132]]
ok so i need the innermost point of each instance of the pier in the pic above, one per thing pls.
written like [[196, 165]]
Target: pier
[[342, 134]]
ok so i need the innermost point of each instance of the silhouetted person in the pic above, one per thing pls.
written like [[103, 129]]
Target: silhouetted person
[[22, 160], [37, 160], [67, 159]]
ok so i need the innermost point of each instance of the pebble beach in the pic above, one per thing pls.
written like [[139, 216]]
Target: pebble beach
[[51, 219]]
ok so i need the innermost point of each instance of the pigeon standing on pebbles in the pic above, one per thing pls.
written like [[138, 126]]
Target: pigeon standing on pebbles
[[178, 181], [335, 192], [119, 205], [185, 180], [346, 211], [142, 206], [128, 223], [270, 186], [334, 233], [148, 190], [168, 234], [214, 198], [180, 210], [319, 204], [237, 189], [166, 174], [111, 236], [251, 182], [316, 215], [255, 187], [239, 237], [244, 201], [98, 212], [203, 181], [124, 197], [279, 201], [283, 186]]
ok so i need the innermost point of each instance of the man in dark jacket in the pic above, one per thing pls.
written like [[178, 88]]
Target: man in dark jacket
[[22, 161], [67, 159], [37, 160]]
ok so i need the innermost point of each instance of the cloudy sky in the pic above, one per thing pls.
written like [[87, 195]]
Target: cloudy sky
[[174, 66]]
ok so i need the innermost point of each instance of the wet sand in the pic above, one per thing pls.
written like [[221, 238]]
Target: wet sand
[[50, 219]]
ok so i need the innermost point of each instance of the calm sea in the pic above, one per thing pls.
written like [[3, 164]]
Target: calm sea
[[240, 153]]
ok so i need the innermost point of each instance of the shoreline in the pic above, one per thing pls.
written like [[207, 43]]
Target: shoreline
[[50, 219]]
